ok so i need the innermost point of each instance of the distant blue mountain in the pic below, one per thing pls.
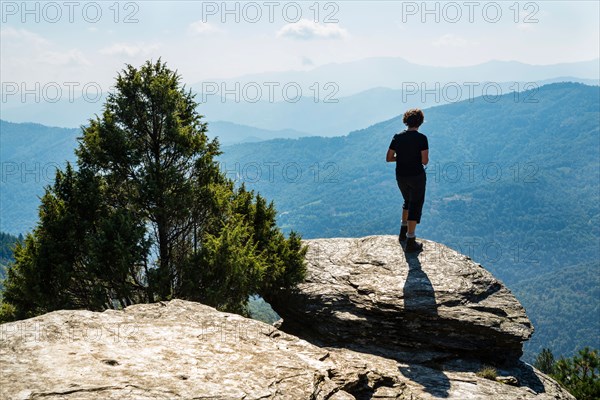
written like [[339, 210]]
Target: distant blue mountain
[[29, 154], [335, 98], [513, 182], [230, 133], [393, 72], [517, 171]]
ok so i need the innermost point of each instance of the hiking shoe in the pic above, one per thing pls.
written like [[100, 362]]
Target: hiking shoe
[[412, 246], [402, 236]]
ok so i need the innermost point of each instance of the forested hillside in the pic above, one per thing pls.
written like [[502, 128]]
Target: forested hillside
[[557, 301], [512, 181], [30, 154]]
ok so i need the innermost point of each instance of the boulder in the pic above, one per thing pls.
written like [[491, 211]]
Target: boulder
[[176, 350], [374, 324], [367, 293], [185, 350]]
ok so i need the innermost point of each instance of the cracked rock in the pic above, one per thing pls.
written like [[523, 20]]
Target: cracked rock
[[367, 291]]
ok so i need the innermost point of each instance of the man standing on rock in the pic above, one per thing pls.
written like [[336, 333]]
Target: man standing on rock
[[410, 150]]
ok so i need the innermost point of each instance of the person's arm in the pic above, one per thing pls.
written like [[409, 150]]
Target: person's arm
[[425, 156], [390, 156]]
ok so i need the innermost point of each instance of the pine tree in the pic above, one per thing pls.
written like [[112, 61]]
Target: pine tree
[[151, 147], [67, 262], [580, 375], [148, 215], [545, 361]]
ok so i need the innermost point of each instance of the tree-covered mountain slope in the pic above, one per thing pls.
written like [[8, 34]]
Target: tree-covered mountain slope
[[513, 179], [30, 154], [513, 182], [556, 302]]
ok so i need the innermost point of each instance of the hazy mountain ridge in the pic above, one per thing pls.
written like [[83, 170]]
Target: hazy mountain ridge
[[30, 154], [334, 116], [522, 225], [232, 133], [514, 185], [486, 142], [333, 102], [393, 72]]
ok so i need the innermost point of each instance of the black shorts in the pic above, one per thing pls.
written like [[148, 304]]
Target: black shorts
[[413, 192]]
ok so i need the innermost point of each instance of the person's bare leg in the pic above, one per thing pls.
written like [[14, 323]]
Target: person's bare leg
[[403, 226], [412, 226]]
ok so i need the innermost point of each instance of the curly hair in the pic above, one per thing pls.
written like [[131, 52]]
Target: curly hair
[[413, 118]]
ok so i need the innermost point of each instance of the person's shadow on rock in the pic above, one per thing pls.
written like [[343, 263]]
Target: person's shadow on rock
[[434, 381], [420, 304], [419, 295]]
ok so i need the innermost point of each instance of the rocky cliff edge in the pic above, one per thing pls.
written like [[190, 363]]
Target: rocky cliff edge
[[375, 324]]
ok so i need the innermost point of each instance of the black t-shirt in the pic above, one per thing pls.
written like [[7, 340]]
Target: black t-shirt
[[408, 146]]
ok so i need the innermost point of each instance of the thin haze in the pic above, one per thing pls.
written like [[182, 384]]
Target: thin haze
[[82, 42]]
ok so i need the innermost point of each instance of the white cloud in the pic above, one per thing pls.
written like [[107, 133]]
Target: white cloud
[[451, 40], [71, 57], [308, 30], [129, 50], [31, 48], [22, 35], [202, 28]]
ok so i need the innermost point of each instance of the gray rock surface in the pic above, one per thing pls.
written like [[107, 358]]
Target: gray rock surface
[[367, 293], [358, 295], [185, 350], [176, 350]]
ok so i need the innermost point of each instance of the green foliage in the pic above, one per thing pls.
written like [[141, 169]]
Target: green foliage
[[536, 228], [80, 255], [487, 372], [151, 148], [545, 361], [249, 247], [7, 246], [7, 312], [580, 375], [232, 268], [149, 216]]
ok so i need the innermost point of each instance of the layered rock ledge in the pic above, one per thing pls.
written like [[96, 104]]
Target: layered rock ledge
[[368, 292], [375, 324], [177, 350], [185, 350]]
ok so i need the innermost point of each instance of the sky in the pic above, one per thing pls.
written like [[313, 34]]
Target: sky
[[73, 43]]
